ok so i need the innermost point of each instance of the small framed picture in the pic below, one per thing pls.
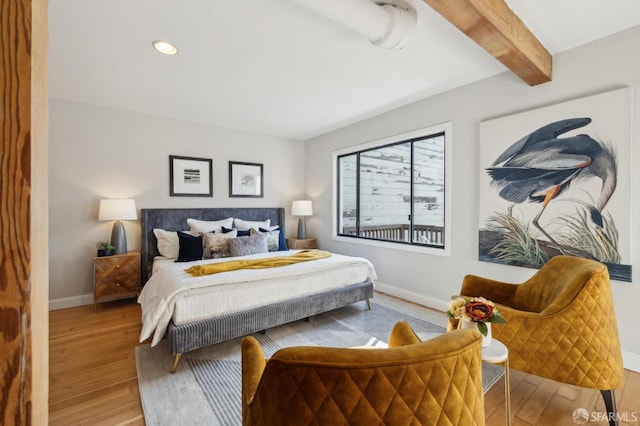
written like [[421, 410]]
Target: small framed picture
[[190, 177], [245, 180]]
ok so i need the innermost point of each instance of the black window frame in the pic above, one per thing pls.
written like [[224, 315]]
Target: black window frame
[[411, 140]]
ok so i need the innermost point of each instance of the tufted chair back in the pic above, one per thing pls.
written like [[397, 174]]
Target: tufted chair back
[[435, 382], [555, 285]]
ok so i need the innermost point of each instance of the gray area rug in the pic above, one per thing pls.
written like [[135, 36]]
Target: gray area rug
[[206, 388]]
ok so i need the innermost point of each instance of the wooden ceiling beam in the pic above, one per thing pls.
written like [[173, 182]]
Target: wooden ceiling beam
[[497, 29]]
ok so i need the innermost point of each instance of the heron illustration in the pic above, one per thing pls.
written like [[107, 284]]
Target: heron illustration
[[541, 166]]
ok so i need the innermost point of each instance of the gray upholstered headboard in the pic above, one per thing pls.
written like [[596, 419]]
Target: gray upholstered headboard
[[176, 220]]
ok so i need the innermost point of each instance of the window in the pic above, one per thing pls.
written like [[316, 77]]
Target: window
[[395, 190]]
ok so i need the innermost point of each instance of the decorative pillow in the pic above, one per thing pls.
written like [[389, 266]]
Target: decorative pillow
[[168, 244], [215, 246], [272, 238], [244, 225], [282, 240], [206, 226], [190, 247], [243, 246]]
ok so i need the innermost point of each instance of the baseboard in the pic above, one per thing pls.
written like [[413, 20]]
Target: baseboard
[[410, 296], [71, 302], [630, 360]]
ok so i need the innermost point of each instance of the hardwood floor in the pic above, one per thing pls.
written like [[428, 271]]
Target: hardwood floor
[[93, 377], [92, 367]]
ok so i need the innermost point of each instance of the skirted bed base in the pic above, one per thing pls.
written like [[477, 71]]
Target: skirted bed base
[[195, 335]]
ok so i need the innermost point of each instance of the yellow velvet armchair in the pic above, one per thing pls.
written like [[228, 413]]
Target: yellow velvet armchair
[[561, 323], [435, 382]]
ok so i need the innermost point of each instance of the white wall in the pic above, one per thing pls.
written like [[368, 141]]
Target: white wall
[[594, 68], [98, 152]]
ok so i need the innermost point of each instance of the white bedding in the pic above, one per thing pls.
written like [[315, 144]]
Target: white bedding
[[159, 262], [173, 293]]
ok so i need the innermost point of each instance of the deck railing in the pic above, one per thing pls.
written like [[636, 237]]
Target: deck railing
[[423, 234]]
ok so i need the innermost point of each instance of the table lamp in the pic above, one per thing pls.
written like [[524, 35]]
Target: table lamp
[[118, 209], [301, 208]]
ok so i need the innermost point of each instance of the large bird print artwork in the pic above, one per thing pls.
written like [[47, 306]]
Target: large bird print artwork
[[561, 187]]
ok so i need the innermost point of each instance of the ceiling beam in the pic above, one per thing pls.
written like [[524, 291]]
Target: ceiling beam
[[499, 31]]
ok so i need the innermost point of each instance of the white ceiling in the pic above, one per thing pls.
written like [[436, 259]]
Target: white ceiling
[[274, 67]]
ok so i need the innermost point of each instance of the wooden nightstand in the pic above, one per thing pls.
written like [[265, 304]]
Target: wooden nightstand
[[116, 277], [296, 244]]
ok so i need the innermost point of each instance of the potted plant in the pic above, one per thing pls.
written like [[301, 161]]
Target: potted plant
[[105, 248]]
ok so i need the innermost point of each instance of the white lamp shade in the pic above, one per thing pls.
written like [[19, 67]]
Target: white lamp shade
[[117, 209], [301, 208]]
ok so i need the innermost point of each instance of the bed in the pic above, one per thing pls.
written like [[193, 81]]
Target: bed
[[187, 336]]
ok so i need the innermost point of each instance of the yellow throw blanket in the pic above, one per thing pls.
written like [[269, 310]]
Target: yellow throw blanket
[[271, 262]]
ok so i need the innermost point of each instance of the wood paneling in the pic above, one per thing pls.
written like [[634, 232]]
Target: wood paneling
[[23, 212], [494, 26], [39, 237]]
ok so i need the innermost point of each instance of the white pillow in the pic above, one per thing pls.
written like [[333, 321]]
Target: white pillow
[[168, 244], [245, 225], [206, 226]]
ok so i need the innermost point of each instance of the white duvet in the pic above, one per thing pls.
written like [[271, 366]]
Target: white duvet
[[170, 282]]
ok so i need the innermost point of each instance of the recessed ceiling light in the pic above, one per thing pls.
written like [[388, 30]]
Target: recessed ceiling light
[[165, 47]]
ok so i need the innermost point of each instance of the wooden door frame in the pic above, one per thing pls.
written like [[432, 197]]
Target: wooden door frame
[[24, 234]]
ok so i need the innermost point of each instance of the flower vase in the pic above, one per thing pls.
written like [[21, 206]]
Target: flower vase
[[486, 340]]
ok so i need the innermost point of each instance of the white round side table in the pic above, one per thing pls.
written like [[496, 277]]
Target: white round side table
[[497, 353]]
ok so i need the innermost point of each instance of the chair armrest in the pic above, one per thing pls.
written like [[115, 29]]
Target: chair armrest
[[402, 335], [253, 365], [495, 291]]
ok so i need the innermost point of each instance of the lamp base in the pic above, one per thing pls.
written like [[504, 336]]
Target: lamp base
[[302, 229], [119, 238]]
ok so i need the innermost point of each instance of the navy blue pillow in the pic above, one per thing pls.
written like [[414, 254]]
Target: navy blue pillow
[[190, 247], [282, 242]]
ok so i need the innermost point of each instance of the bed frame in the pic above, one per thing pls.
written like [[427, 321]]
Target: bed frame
[[198, 334]]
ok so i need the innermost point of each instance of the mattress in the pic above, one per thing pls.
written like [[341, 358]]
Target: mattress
[[184, 299], [203, 302]]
